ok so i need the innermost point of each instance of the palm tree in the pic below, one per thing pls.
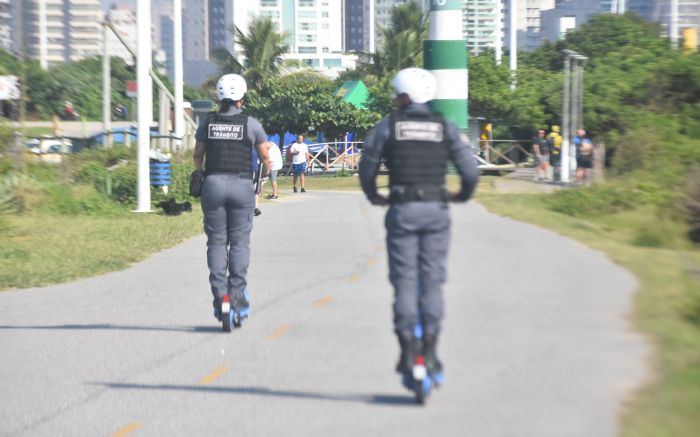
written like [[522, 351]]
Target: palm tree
[[261, 52], [402, 42]]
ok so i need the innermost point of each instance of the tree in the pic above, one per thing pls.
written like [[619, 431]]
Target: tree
[[78, 82], [303, 102], [262, 50], [401, 43]]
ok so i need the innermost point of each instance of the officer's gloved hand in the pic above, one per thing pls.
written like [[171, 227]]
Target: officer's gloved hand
[[379, 200]]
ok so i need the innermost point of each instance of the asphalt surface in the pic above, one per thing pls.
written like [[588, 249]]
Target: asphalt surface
[[536, 340]]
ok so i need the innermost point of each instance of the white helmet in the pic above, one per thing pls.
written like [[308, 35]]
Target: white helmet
[[231, 86], [417, 83]]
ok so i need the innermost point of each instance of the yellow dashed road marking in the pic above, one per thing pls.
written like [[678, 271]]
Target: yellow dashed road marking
[[325, 300], [371, 262], [355, 278], [128, 429], [279, 332], [212, 376]]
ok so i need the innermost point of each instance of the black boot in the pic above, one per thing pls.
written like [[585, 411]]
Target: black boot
[[408, 354], [429, 350]]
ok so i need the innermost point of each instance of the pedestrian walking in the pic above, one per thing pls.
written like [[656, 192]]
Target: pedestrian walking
[[223, 150], [275, 155], [555, 140], [584, 156], [417, 145], [540, 147], [258, 180], [300, 161]]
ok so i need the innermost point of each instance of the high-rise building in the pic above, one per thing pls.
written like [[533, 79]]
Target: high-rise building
[[123, 20], [195, 24], [528, 22], [567, 15], [220, 12], [314, 28], [688, 15], [5, 25], [482, 24], [63, 31], [383, 9], [570, 14], [196, 49], [355, 20]]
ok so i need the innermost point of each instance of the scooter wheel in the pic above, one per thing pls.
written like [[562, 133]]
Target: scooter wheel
[[419, 389], [226, 314]]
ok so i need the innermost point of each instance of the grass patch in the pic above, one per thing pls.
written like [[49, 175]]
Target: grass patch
[[47, 248], [667, 305]]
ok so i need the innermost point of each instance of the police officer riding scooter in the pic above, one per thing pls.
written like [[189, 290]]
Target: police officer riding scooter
[[225, 140], [416, 144]]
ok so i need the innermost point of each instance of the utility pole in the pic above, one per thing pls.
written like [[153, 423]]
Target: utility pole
[[575, 122], [673, 33], [513, 43], [565, 118], [179, 112], [145, 104], [580, 63], [572, 109], [106, 89]]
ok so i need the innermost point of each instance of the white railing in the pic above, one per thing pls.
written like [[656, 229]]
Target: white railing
[[332, 154]]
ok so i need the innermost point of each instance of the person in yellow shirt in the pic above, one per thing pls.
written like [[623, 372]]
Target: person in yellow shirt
[[554, 140]]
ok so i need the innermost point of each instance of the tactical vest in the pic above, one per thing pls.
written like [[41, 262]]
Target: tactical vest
[[417, 153], [228, 148]]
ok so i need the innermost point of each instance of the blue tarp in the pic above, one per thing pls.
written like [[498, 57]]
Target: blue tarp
[[119, 133]]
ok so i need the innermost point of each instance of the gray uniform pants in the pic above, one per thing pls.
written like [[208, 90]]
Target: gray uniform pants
[[227, 202], [417, 239]]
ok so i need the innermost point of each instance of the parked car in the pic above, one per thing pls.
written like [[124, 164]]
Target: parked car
[[49, 145]]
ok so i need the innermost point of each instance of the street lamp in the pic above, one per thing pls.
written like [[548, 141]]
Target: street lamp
[[572, 111]]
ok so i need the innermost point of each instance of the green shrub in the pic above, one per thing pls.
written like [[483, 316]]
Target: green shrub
[[124, 184], [651, 237], [343, 173], [179, 188], [586, 202]]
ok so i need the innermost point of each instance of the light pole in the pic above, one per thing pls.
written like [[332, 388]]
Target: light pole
[[565, 116], [179, 112], [577, 109], [145, 104], [673, 33], [575, 122], [106, 89], [572, 109], [513, 34]]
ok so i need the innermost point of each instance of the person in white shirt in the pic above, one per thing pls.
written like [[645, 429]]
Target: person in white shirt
[[300, 160], [275, 166]]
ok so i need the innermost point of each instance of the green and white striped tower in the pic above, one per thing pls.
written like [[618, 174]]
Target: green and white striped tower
[[445, 55]]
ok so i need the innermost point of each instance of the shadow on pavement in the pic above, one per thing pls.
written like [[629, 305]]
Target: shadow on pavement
[[262, 391], [109, 327]]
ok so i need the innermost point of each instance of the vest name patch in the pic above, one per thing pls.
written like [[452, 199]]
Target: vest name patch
[[419, 131], [225, 132]]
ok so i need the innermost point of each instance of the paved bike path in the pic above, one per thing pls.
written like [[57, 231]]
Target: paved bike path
[[536, 339]]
